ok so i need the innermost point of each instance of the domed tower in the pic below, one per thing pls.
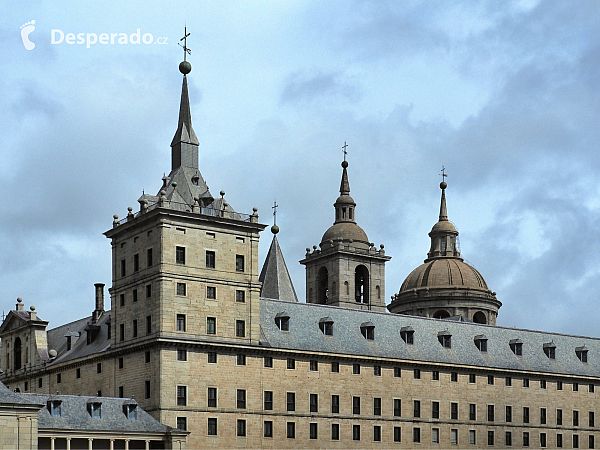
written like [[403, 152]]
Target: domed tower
[[444, 285], [346, 270]]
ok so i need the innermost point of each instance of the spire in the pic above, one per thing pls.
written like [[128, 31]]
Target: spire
[[444, 237], [344, 205], [185, 131], [345, 184], [443, 211], [274, 276]]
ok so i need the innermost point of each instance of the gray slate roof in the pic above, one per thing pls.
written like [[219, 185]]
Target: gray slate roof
[[274, 276], [8, 398], [347, 339]]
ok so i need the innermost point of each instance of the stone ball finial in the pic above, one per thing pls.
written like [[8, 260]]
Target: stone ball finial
[[52, 353], [344, 164], [19, 300], [307, 249], [174, 184], [129, 208], [255, 209], [314, 247], [32, 308], [443, 185], [115, 216], [185, 67], [381, 246], [222, 193], [274, 229]]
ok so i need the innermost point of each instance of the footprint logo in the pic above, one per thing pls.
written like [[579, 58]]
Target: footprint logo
[[26, 30]]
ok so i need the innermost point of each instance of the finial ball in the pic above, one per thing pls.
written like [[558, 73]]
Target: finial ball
[[222, 193], [274, 229], [344, 164], [32, 308], [19, 300], [443, 185], [185, 67]]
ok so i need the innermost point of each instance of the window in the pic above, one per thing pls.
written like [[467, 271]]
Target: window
[[211, 292], [212, 426], [123, 268], [121, 392], [148, 290], [397, 407], [543, 440], [77, 373], [416, 434], [314, 403], [454, 411], [121, 299], [417, 374], [591, 441], [335, 367], [314, 365], [575, 418], [268, 428], [591, 419], [335, 404], [326, 326], [407, 335], [121, 363], [575, 441], [240, 297], [291, 363], [543, 416], [95, 410], [559, 440], [525, 382], [516, 345], [58, 378], [550, 350], [472, 411], [355, 405], [490, 379], [148, 324], [291, 401], [435, 375], [136, 262], [559, 417], [508, 414], [490, 437], [147, 388], [241, 399], [335, 431], [481, 343], [356, 432], [239, 263], [134, 328], [472, 437], [508, 381], [55, 408], [135, 295], [367, 329], [490, 413], [180, 322], [542, 384], [181, 395], [211, 325], [122, 332], [445, 339], [212, 397], [98, 370], [181, 289], [241, 359], [241, 427], [454, 376], [435, 410], [559, 385], [282, 320], [149, 257], [211, 357], [180, 255], [377, 371], [313, 431], [508, 438], [268, 361], [397, 434], [182, 423], [472, 378], [268, 400], [525, 439], [210, 259], [40, 382], [291, 430], [435, 435], [377, 433], [377, 406], [454, 437], [575, 386], [240, 328], [525, 414], [356, 369], [591, 387], [416, 408]]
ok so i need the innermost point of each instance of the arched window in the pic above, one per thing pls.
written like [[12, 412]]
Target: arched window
[[323, 286], [479, 317], [347, 287], [17, 351], [441, 314], [361, 284]]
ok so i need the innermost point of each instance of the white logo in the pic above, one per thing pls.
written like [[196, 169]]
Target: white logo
[[26, 30]]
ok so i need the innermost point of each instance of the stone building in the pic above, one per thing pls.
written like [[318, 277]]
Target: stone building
[[206, 342]]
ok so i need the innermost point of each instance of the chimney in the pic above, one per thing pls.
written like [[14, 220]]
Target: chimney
[[99, 302]]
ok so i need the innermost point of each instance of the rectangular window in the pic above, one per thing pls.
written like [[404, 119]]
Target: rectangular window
[[417, 374], [575, 386], [122, 332], [121, 299], [490, 379], [377, 371], [355, 405], [559, 417], [240, 328], [211, 325], [490, 413], [472, 378], [291, 401], [335, 431], [525, 439], [454, 376], [291, 430], [472, 437], [490, 437], [314, 365], [313, 431], [377, 406], [180, 255], [454, 437], [472, 411], [397, 407], [211, 292], [335, 404], [149, 257], [525, 414], [416, 408], [212, 426], [314, 403], [148, 290], [559, 440], [356, 432], [335, 367], [210, 259], [121, 363], [356, 369], [575, 418], [241, 399], [268, 361], [239, 263], [181, 354], [181, 289], [591, 441], [397, 372], [77, 373], [136, 262], [416, 434], [559, 385], [542, 384], [123, 268], [134, 328], [435, 435], [241, 427], [591, 419], [435, 375], [98, 369], [591, 387], [508, 438], [377, 433], [575, 441], [291, 363], [543, 416], [435, 410], [58, 378], [454, 411], [182, 423], [509, 414], [268, 428], [180, 322], [525, 382], [181, 395], [543, 440], [211, 357], [240, 296], [268, 400], [148, 324], [212, 397], [397, 434], [135, 295], [241, 359], [121, 392], [508, 381], [147, 357], [41, 382]]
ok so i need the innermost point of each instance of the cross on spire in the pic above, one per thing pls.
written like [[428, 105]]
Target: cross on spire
[[274, 208], [186, 50], [344, 147], [444, 175]]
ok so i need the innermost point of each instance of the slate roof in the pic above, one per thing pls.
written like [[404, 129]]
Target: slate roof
[[9, 398], [347, 339], [274, 276]]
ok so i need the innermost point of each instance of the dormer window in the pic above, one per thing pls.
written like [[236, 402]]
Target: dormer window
[[130, 411], [550, 350], [445, 339], [407, 334], [481, 343], [368, 330], [516, 345], [95, 410], [282, 320], [55, 408], [582, 354], [326, 326], [195, 180]]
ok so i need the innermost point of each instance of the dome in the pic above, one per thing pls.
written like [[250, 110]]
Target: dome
[[346, 231], [443, 226], [444, 273]]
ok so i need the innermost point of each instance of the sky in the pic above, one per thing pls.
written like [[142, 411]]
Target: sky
[[504, 95]]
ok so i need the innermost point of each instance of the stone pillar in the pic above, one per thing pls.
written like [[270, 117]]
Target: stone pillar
[[68, 443]]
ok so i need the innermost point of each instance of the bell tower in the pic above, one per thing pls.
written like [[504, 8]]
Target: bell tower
[[346, 269]]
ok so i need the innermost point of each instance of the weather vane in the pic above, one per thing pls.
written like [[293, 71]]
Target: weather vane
[[344, 149], [186, 50], [274, 208], [444, 175]]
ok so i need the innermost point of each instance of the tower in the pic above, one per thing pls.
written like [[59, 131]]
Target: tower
[[444, 285], [347, 270]]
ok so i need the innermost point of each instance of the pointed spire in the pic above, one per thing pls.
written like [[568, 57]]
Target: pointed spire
[[185, 131], [443, 211], [345, 184], [444, 237], [274, 276]]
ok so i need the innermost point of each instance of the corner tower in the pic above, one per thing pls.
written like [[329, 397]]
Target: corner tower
[[445, 286], [346, 270]]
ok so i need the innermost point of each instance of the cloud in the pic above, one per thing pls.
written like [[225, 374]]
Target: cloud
[[325, 87]]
